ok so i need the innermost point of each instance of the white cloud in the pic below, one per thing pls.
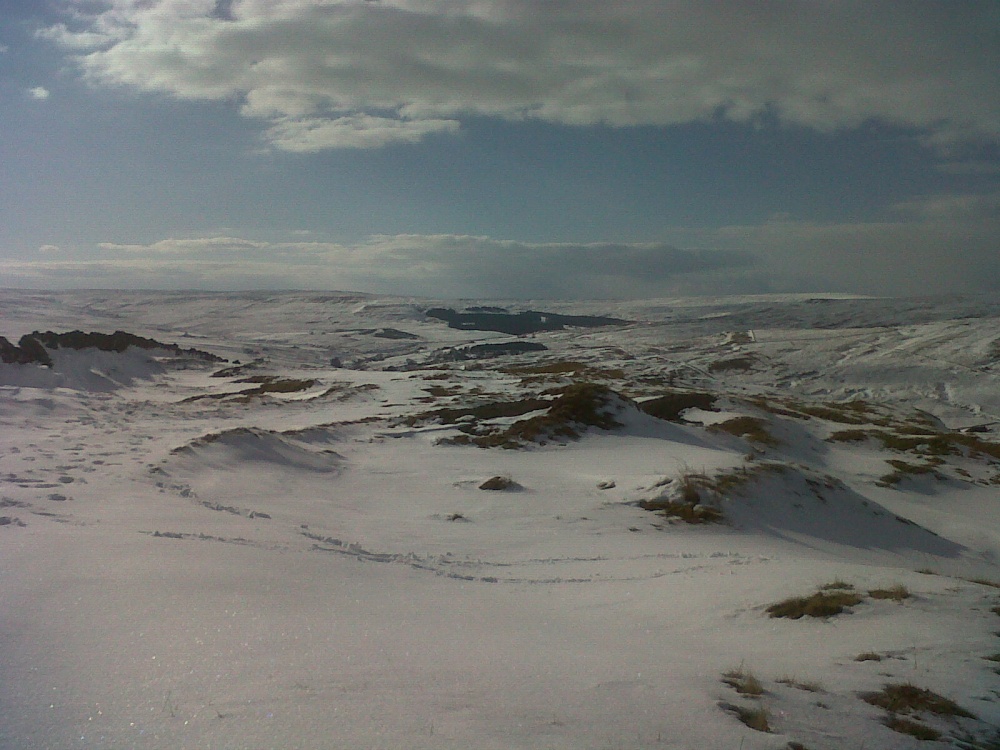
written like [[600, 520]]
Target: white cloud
[[971, 206], [423, 265], [346, 73], [38, 92], [925, 253], [49, 249]]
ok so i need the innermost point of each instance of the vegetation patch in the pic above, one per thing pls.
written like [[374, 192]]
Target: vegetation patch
[[499, 483], [733, 363], [755, 717], [671, 405], [567, 368], [753, 429], [694, 497], [820, 604], [903, 469], [743, 682], [912, 728], [809, 687], [907, 698], [929, 443], [484, 411], [577, 407], [837, 585], [896, 593], [868, 656]]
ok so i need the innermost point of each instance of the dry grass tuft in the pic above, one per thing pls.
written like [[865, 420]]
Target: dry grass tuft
[[499, 483], [896, 593], [688, 506], [868, 656], [670, 405], [837, 585], [756, 718], [808, 686], [905, 697], [820, 604], [912, 728], [753, 429], [743, 682], [740, 364]]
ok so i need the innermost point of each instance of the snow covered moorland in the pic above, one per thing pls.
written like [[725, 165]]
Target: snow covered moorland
[[336, 521]]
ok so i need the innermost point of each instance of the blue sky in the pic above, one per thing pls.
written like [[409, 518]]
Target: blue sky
[[501, 148]]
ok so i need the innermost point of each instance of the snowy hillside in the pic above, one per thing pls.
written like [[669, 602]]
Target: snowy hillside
[[300, 520]]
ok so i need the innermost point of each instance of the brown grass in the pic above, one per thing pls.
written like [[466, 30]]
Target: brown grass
[[868, 656], [756, 718], [734, 363], [837, 584], [576, 408], [670, 405], [743, 682], [753, 429], [905, 697], [808, 686], [896, 593], [912, 728], [820, 604]]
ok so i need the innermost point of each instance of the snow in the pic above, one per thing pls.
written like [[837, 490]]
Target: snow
[[319, 569]]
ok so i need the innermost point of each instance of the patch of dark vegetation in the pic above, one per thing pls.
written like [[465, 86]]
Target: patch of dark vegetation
[[580, 406], [744, 682], [924, 444], [575, 408], [868, 656], [488, 351], [499, 483], [740, 364], [11, 521], [33, 347], [235, 371], [806, 685], [518, 324], [687, 504], [267, 384], [902, 470], [694, 497], [394, 334], [824, 603], [753, 429], [564, 368], [907, 698], [671, 405], [912, 728], [485, 411], [895, 593], [755, 717]]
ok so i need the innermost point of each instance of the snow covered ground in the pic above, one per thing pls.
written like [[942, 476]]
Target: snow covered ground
[[291, 549]]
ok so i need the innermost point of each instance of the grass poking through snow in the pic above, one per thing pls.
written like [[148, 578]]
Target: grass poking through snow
[[824, 603]]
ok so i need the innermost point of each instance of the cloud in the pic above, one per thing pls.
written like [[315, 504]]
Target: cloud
[[972, 206], [421, 265], [49, 249], [39, 93], [348, 73]]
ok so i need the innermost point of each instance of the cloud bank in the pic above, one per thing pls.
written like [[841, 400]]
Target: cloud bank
[[325, 74], [420, 265], [941, 244]]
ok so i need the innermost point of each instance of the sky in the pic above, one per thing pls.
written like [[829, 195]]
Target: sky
[[502, 148]]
